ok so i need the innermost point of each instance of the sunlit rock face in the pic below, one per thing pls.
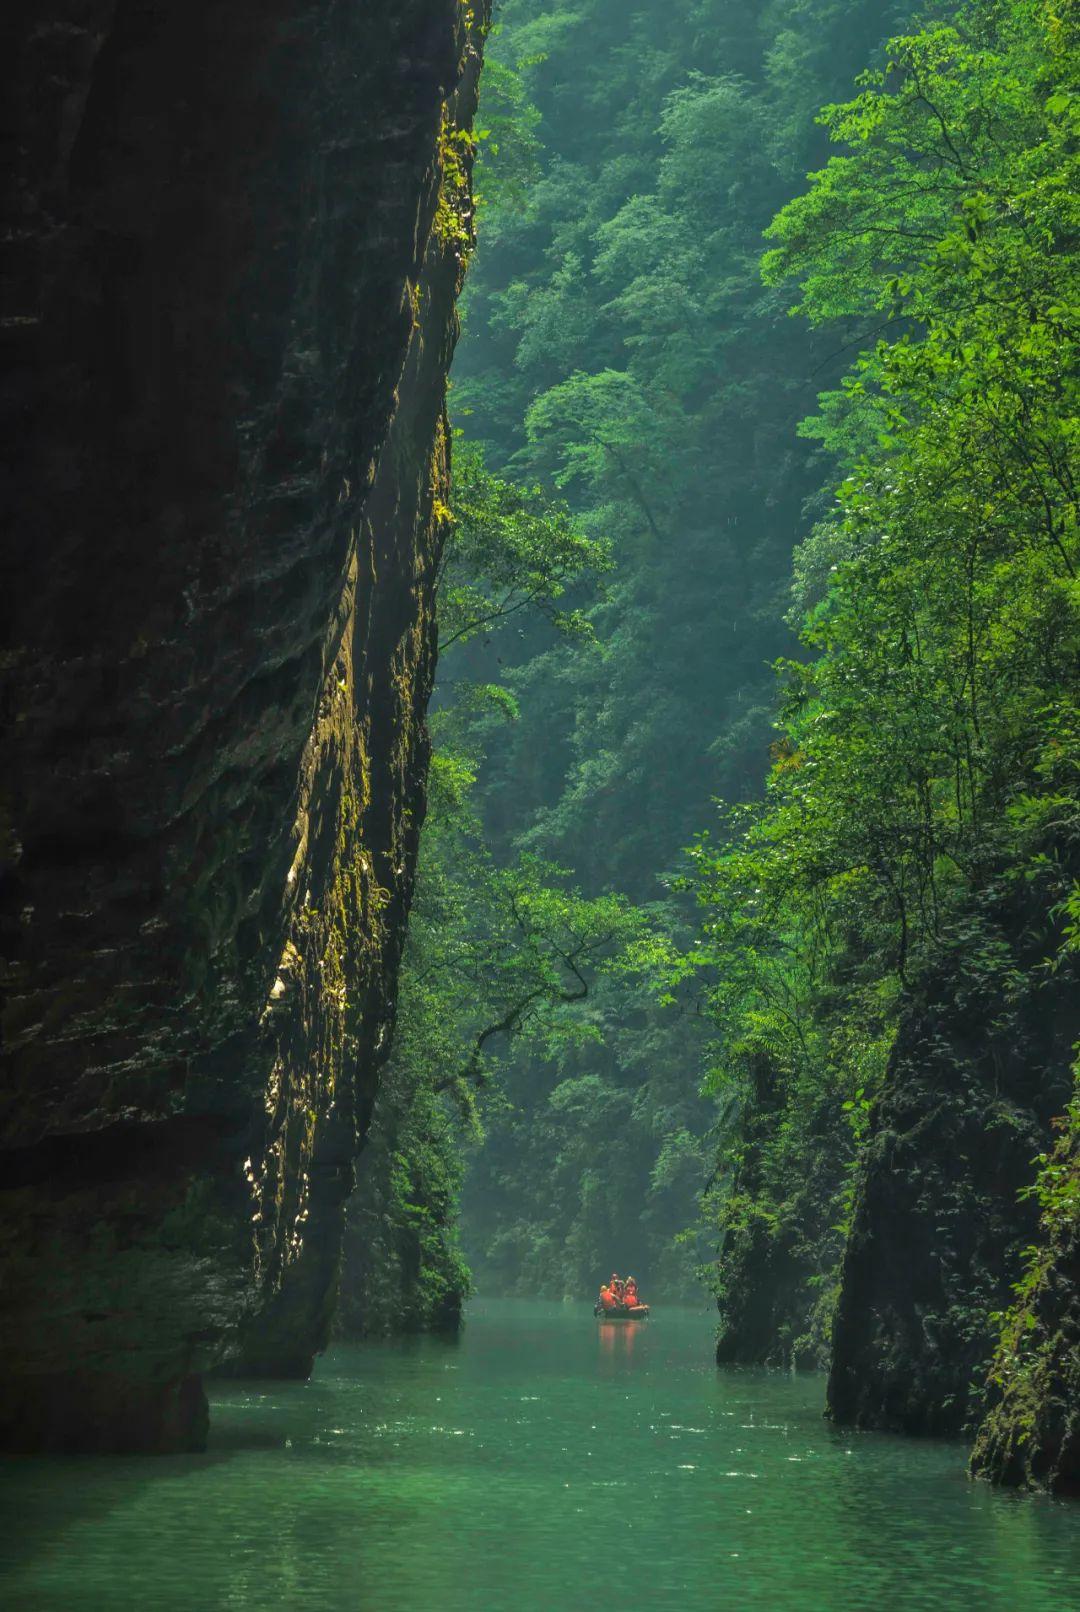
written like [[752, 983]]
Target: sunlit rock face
[[940, 1222], [228, 314]]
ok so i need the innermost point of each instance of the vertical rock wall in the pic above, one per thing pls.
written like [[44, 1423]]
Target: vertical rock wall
[[233, 247], [940, 1226]]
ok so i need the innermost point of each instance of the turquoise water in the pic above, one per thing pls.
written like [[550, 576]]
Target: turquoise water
[[543, 1462]]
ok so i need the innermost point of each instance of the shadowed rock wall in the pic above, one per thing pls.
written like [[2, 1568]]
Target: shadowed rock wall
[[232, 254], [939, 1226]]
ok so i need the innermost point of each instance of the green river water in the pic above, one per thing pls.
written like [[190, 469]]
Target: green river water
[[542, 1462]]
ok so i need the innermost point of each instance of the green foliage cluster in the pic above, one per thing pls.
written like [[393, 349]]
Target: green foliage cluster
[[511, 550], [511, 146], [923, 809]]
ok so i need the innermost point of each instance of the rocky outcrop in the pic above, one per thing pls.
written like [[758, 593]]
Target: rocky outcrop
[[402, 1267], [234, 239], [1031, 1435], [775, 1293], [939, 1222]]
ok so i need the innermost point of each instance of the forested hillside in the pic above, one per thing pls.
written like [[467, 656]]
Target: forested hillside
[[893, 931], [906, 893], [822, 633], [620, 347], [620, 344]]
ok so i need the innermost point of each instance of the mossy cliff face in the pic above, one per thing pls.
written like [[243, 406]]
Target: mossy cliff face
[[234, 254], [775, 1297], [940, 1223], [903, 1306], [402, 1268]]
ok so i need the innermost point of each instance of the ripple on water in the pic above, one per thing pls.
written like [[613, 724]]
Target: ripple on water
[[398, 1480]]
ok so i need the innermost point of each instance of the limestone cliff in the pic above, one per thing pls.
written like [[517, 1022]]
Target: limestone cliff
[[940, 1222], [902, 1305], [775, 1296], [234, 240]]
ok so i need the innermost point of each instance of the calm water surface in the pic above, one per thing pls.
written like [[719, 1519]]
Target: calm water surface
[[543, 1462]]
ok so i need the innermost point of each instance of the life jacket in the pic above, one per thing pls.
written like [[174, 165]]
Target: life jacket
[[607, 1298]]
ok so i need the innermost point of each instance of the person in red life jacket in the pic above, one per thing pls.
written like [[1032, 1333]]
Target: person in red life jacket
[[608, 1300], [617, 1288], [630, 1294]]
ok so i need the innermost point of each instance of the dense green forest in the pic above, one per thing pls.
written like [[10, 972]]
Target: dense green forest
[[810, 611], [889, 931], [621, 345]]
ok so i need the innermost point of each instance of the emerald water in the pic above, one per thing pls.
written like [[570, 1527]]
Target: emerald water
[[541, 1462]]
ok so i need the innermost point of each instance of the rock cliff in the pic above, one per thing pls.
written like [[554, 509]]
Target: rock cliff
[[940, 1223], [234, 240], [774, 1305]]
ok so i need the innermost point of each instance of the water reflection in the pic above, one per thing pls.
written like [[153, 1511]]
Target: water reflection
[[499, 1475], [617, 1339]]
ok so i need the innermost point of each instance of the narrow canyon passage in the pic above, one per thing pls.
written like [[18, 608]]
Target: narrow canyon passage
[[542, 1461], [539, 737]]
